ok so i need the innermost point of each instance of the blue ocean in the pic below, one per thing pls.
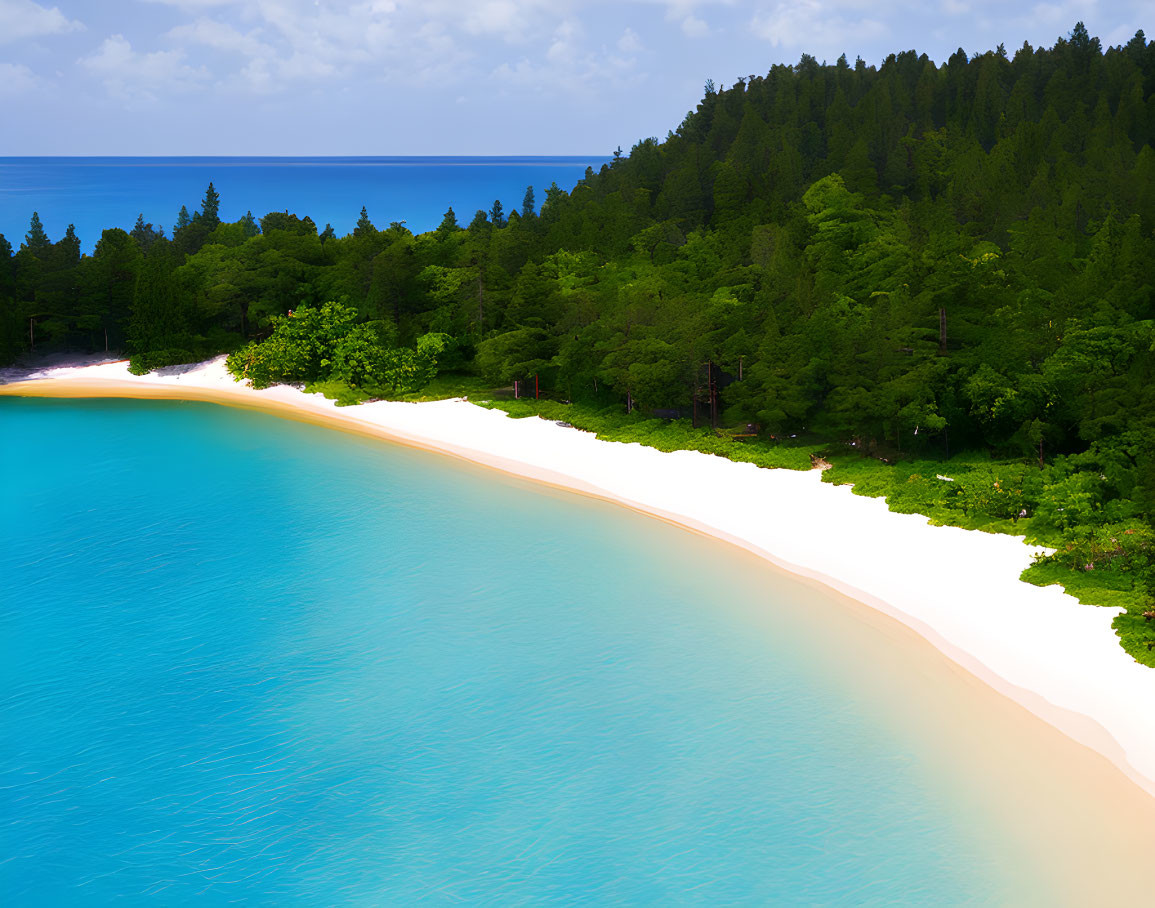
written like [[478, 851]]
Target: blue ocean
[[95, 193], [246, 660]]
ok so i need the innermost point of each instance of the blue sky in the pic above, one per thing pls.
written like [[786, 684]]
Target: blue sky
[[445, 76]]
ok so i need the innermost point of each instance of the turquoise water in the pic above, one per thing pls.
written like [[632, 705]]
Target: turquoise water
[[250, 661], [95, 193]]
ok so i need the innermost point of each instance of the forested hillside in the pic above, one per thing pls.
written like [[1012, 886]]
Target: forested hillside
[[919, 259]]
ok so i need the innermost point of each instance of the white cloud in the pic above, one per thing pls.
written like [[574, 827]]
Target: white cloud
[[683, 13], [629, 42], [222, 37], [569, 68], [268, 46], [413, 41], [22, 19], [133, 76], [819, 27], [1062, 16], [497, 17], [693, 27], [565, 45], [16, 79], [1121, 34], [194, 4]]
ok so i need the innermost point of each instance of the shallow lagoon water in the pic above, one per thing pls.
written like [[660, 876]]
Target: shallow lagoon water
[[248, 660]]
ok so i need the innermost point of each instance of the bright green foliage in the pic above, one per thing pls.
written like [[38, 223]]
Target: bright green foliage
[[337, 390], [326, 343], [301, 348]]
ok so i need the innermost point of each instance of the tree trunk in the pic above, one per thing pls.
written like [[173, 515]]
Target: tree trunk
[[713, 398], [942, 332]]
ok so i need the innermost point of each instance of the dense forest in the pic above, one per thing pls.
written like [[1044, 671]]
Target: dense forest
[[921, 260]]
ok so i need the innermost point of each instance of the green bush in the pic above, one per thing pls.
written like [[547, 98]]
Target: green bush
[[613, 424], [334, 389], [327, 344], [143, 363]]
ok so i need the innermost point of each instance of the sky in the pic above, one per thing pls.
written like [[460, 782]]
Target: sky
[[446, 77]]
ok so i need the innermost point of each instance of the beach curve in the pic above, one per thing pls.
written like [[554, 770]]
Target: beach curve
[[958, 589]]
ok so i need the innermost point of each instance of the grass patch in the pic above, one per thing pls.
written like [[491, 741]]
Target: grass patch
[[441, 388], [1111, 589], [969, 498], [611, 424], [447, 386], [915, 487], [334, 389]]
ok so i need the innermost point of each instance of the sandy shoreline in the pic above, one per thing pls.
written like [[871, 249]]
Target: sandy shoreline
[[958, 589]]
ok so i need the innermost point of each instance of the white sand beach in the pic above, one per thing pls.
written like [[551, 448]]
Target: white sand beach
[[956, 588]]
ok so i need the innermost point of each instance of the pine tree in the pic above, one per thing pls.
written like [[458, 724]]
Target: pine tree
[[182, 219], [36, 240], [211, 208], [249, 225], [145, 234], [327, 234], [496, 214], [528, 203], [156, 317], [11, 321], [364, 225], [448, 222], [68, 248]]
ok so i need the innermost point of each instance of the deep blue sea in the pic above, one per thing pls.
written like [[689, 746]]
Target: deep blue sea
[[245, 660], [96, 193]]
